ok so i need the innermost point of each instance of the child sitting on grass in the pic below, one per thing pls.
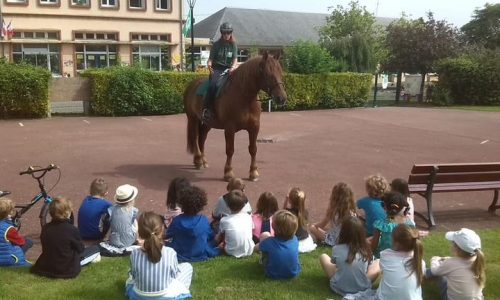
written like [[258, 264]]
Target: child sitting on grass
[[295, 202], [173, 208], [222, 209], [93, 218], [280, 254], [63, 252], [400, 185], [463, 275], [123, 223], [376, 186], [191, 234], [396, 208], [351, 269], [12, 245], [236, 229], [341, 207], [154, 270], [267, 205]]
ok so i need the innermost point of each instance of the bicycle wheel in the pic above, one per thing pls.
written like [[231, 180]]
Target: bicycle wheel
[[44, 214]]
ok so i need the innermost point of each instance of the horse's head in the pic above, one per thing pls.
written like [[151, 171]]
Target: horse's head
[[272, 78]]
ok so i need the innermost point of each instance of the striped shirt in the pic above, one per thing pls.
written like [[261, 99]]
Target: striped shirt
[[153, 278]]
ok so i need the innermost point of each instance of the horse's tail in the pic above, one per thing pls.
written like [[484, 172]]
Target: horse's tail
[[191, 108]]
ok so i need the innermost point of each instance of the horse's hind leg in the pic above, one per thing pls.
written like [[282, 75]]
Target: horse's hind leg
[[252, 149], [193, 141], [228, 169], [201, 142]]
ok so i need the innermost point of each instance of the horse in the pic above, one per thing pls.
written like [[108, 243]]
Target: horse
[[237, 108]]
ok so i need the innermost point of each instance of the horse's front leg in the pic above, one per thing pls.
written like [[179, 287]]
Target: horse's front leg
[[252, 149], [228, 169]]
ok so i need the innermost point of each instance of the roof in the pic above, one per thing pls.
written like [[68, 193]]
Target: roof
[[269, 28]]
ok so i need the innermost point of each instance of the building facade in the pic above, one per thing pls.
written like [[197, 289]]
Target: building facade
[[69, 36]]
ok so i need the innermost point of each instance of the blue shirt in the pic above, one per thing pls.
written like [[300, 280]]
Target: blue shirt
[[90, 216], [192, 238], [282, 257], [373, 211]]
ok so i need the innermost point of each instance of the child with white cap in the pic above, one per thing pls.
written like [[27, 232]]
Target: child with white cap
[[123, 223], [461, 276]]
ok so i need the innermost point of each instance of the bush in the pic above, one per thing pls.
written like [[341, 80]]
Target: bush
[[472, 79], [308, 58], [120, 91], [24, 91]]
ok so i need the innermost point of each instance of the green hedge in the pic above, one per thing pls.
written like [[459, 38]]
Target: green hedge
[[24, 91], [133, 91], [470, 80]]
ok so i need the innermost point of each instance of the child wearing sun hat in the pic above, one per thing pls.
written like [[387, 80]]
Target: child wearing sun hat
[[123, 222], [461, 276]]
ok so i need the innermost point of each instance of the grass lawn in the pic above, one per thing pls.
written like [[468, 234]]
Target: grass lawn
[[476, 108], [226, 278]]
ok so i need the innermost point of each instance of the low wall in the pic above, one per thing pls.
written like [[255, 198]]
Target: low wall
[[70, 95]]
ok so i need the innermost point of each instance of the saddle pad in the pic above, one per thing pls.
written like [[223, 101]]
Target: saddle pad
[[203, 87]]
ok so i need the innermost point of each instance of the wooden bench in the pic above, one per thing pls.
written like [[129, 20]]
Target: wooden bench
[[426, 179]]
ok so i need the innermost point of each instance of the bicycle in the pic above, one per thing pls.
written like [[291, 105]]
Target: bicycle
[[38, 174]]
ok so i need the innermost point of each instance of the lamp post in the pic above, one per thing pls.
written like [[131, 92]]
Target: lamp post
[[191, 4]]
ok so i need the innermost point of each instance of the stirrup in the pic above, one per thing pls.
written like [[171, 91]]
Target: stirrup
[[206, 116]]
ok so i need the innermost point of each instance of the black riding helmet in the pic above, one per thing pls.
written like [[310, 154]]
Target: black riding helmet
[[226, 27]]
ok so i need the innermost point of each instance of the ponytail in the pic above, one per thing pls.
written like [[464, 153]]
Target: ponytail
[[478, 268], [151, 231], [416, 262]]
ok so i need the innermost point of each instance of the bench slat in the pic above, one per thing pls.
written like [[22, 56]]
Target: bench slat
[[455, 177], [456, 187], [456, 168]]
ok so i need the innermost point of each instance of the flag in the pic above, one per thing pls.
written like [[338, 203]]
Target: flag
[[10, 30], [187, 26], [3, 32]]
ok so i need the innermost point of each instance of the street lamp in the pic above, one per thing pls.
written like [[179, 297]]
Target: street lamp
[[191, 4]]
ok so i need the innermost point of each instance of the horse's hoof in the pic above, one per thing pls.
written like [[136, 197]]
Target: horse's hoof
[[254, 179], [205, 165], [228, 177], [254, 175], [197, 167]]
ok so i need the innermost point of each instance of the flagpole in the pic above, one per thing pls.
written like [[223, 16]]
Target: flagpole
[[2, 54]]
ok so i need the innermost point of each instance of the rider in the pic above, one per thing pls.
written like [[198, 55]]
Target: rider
[[223, 56]]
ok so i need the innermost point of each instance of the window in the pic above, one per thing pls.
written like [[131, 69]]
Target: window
[[156, 58], [200, 56], [95, 56], [109, 3], [48, 35], [16, 1], [95, 36], [49, 2], [150, 37], [80, 3], [137, 4], [40, 55], [162, 4], [243, 55]]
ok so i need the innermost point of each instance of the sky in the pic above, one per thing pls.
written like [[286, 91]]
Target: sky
[[457, 12]]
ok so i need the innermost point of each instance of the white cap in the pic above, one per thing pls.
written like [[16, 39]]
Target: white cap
[[465, 239], [125, 193]]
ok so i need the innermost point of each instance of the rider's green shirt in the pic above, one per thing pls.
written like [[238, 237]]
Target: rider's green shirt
[[222, 54]]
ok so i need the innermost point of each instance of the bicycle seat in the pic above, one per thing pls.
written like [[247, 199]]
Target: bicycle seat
[[4, 193]]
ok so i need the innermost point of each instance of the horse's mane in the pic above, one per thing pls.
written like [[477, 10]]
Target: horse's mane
[[247, 72]]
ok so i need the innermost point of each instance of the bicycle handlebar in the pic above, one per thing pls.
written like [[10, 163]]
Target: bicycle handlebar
[[32, 170]]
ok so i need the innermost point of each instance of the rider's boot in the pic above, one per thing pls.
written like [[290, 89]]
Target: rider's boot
[[206, 114]]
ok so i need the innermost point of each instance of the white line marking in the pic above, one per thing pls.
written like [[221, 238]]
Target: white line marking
[[21, 124], [146, 119], [86, 121], [484, 142], [294, 114]]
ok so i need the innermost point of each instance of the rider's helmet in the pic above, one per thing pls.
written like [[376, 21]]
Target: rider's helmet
[[226, 27]]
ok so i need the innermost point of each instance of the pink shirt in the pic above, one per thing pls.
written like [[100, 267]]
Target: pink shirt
[[257, 225]]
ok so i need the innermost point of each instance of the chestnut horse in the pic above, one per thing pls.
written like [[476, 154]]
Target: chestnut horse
[[237, 108]]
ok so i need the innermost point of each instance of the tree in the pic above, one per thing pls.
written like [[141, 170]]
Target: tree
[[484, 28], [350, 37], [415, 46], [307, 58]]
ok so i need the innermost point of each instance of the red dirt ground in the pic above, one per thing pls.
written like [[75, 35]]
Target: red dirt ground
[[312, 150]]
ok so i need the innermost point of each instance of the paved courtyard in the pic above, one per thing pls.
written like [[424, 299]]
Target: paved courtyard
[[311, 149]]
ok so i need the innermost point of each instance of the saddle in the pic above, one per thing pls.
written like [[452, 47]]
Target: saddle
[[221, 83]]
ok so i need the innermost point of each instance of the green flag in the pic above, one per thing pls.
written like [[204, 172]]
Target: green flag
[[187, 26]]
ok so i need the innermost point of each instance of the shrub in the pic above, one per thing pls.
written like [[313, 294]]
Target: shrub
[[24, 91], [132, 91], [472, 79]]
